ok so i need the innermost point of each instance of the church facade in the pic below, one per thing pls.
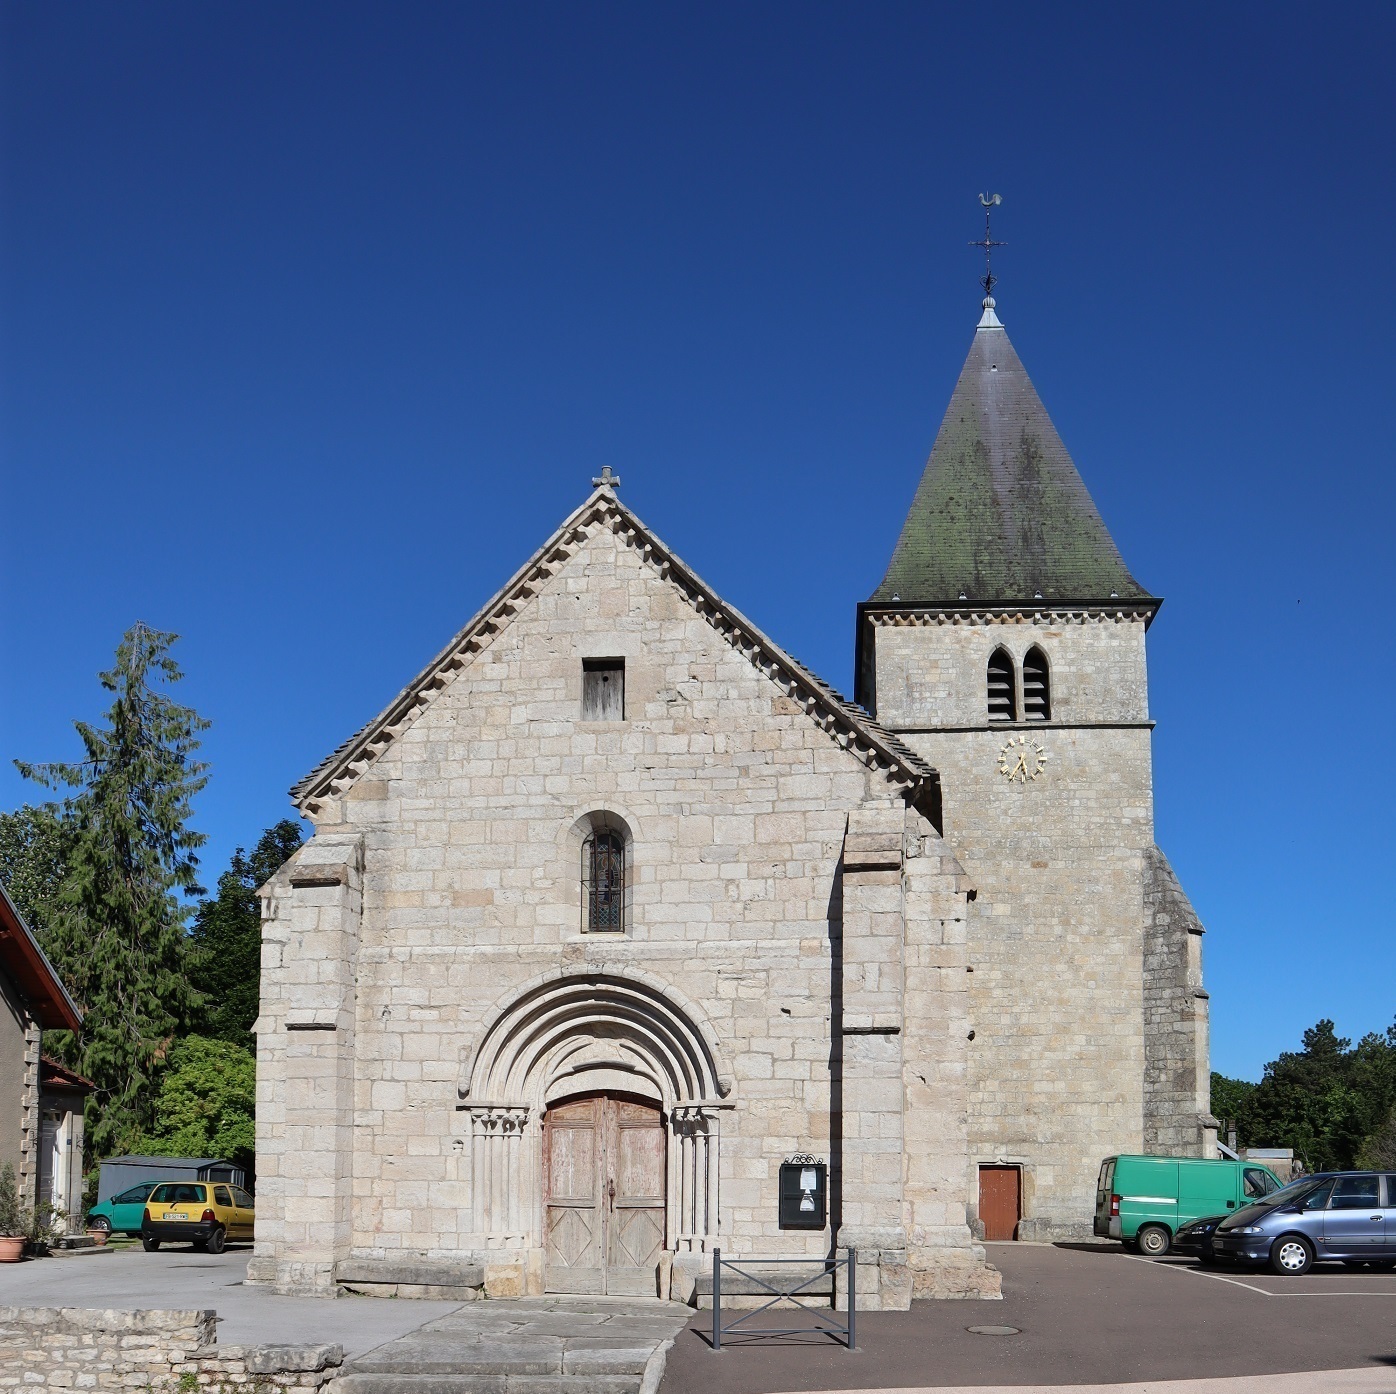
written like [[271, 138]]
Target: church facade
[[618, 908]]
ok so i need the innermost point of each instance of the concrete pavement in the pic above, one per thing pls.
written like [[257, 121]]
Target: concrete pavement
[[1086, 1316], [130, 1279], [596, 1345], [1366, 1380], [1089, 1319]]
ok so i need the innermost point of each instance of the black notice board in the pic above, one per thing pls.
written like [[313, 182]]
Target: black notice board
[[804, 1195]]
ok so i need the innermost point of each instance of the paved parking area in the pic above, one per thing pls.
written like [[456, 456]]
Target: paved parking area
[[1086, 1315], [181, 1278]]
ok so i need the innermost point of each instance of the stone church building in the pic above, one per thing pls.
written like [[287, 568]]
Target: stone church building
[[617, 907]]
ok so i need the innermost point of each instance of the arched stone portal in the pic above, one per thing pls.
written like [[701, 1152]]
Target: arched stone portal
[[600, 1036]]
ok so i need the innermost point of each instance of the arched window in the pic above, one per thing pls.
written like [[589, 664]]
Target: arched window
[[1003, 705], [1037, 686], [604, 899]]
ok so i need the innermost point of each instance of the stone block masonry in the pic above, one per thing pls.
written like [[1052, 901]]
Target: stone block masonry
[[77, 1348]]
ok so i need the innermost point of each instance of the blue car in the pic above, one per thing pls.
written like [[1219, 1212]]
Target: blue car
[[1347, 1216], [122, 1214]]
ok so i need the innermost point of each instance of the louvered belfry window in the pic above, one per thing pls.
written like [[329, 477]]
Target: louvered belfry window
[[1002, 703], [603, 881], [1037, 688]]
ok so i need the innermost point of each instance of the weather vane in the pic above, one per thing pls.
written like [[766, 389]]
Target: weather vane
[[988, 280]]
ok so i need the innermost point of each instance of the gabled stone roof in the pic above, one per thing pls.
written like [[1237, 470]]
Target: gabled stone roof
[[845, 722], [1001, 516]]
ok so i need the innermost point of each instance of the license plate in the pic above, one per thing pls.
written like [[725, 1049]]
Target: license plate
[[176, 1215]]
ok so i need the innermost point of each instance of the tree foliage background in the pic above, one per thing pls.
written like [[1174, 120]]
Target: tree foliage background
[[105, 877], [115, 927], [1332, 1102], [225, 944], [207, 1103], [34, 846]]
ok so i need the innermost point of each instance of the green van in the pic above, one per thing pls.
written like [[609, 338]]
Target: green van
[[1143, 1200]]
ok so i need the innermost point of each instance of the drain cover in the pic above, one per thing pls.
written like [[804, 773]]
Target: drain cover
[[994, 1330]]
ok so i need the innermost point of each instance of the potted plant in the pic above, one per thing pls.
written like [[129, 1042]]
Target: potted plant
[[14, 1233]]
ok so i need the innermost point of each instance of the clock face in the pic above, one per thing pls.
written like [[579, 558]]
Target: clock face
[[1022, 759]]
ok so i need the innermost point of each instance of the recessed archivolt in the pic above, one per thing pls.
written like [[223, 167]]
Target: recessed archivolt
[[599, 1021]]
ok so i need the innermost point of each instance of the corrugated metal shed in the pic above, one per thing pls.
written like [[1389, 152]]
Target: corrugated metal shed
[[120, 1173]]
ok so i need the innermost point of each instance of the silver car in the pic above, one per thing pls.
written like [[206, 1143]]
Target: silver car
[[1348, 1216]]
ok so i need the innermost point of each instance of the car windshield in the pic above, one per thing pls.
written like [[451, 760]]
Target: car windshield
[[177, 1193], [1296, 1190], [134, 1196]]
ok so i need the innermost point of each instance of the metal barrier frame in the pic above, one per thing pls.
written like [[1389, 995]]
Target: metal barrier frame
[[846, 1331]]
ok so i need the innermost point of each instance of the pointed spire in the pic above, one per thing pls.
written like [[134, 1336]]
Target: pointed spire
[[1001, 516]]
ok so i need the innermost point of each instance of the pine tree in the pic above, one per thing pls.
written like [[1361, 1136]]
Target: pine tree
[[226, 940], [34, 844], [117, 936]]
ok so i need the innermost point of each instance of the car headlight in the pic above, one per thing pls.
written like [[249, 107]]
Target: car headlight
[[1250, 1229]]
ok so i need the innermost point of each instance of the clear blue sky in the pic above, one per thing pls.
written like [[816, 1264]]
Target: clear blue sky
[[318, 318]]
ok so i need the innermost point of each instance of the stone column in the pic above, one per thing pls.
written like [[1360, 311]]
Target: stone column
[[312, 911], [503, 1175], [694, 1175], [869, 1043]]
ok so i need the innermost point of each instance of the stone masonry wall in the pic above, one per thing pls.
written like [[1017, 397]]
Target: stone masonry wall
[[1177, 1083], [1055, 949], [161, 1352], [737, 805]]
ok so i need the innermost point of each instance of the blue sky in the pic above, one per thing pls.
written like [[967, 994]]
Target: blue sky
[[318, 318]]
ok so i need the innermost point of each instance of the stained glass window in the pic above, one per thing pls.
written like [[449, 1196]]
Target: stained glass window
[[603, 881]]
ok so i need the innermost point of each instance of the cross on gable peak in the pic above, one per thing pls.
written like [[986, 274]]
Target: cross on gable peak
[[606, 480]]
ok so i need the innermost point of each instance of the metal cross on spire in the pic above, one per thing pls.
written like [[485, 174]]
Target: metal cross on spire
[[988, 280]]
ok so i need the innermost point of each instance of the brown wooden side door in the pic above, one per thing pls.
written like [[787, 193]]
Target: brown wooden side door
[[603, 1179], [635, 1192], [574, 1217], [1000, 1201]]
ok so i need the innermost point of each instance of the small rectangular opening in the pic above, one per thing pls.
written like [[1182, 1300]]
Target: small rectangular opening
[[603, 689]]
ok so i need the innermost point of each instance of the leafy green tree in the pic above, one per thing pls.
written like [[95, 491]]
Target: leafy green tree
[[1326, 1100], [34, 844], [226, 941], [1230, 1103], [1379, 1151], [207, 1103], [117, 933]]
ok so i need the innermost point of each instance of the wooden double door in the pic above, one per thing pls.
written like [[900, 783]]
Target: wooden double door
[[603, 1195]]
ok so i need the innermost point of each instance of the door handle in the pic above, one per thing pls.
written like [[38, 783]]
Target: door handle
[[1376, 1217], [611, 1191]]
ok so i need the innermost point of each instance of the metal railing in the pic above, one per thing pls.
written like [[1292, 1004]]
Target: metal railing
[[825, 1324]]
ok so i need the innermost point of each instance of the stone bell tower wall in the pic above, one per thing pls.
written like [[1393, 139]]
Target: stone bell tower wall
[[1056, 950]]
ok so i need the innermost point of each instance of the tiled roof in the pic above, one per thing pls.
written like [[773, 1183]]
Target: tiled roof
[[1001, 516]]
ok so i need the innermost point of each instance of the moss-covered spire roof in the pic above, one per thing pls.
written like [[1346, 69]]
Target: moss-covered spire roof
[[1001, 517]]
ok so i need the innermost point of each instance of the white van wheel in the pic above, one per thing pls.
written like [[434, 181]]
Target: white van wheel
[[1154, 1241]]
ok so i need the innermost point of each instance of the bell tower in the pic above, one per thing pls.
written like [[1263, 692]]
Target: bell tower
[[1006, 645]]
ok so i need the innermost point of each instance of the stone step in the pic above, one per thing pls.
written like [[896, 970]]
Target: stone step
[[481, 1382], [499, 1357], [411, 1278]]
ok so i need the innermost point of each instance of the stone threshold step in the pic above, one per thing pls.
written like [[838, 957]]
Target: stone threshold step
[[411, 1278], [500, 1358], [483, 1383]]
